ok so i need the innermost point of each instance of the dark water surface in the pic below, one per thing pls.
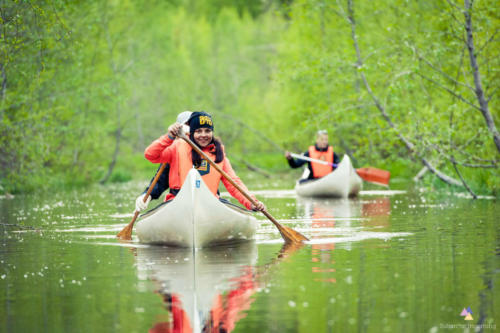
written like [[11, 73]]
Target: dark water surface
[[385, 262]]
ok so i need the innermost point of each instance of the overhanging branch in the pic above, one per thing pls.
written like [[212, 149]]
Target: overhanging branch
[[409, 145]]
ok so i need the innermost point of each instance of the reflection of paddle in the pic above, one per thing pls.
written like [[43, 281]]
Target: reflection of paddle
[[372, 175], [288, 249], [288, 234], [126, 233]]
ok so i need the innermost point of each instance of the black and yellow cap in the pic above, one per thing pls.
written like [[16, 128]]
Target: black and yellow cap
[[200, 119]]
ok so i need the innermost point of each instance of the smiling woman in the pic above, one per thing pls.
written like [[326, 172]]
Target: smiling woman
[[201, 130], [182, 158]]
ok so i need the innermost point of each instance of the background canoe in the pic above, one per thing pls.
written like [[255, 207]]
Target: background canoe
[[343, 182]]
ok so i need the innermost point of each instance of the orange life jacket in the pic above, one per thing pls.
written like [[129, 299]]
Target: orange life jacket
[[210, 176], [320, 170]]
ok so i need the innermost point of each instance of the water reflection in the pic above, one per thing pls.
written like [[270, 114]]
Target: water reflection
[[378, 211], [206, 290], [411, 271], [324, 214], [330, 218], [328, 215]]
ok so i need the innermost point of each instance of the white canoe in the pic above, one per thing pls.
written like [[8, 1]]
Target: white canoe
[[343, 182], [195, 218]]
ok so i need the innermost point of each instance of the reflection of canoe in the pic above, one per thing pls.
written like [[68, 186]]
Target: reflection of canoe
[[330, 219], [195, 218], [343, 182], [339, 209], [196, 281]]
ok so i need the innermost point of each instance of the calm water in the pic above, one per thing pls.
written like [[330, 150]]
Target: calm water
[[386, 262]]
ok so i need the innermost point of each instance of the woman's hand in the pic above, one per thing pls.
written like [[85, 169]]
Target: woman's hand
[[173, 130], [140, 204], [258, 206]]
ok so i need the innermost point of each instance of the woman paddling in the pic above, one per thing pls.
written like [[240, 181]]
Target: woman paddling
[[181, 158]]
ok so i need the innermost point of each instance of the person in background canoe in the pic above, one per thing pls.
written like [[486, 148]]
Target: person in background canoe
[[181, 158], [162, 183], [320, 151]]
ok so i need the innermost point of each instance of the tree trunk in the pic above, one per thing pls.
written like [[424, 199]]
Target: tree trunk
[[118, 134], [4, 81], [4, 90], [409, 145], [483, 103], [111, 166]]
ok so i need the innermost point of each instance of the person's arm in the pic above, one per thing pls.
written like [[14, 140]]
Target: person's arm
[[296, 163], [161, 185], [226, 166], [336, 158], [162, 150]]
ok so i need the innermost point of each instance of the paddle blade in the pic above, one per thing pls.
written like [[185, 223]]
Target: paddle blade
[[374, 175], [292, 236], [288, 234], [126, 233]]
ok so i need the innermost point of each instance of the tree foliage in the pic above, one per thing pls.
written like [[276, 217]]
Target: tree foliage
[[85, 86]]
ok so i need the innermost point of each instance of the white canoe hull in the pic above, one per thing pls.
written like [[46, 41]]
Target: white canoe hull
[[195, 218], [343, 182]]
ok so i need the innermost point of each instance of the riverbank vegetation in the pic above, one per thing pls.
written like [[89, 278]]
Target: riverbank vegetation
[[410, 87]]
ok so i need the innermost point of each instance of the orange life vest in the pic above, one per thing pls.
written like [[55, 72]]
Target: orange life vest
[[320, 170], [210, 176]]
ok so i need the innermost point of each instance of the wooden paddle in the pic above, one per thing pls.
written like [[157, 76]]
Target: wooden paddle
[[126, 233], [288, 234], [372, 175]]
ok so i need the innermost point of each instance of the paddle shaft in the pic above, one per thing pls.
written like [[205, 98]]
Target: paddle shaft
[[229, 179], [305, 158], [125, 233], [153, 183]]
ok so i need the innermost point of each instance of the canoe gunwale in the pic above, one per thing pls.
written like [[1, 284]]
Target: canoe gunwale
[[226, 202]]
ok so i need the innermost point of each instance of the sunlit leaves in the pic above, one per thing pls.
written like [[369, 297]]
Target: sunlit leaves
[[282, 72], [410, 52]]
